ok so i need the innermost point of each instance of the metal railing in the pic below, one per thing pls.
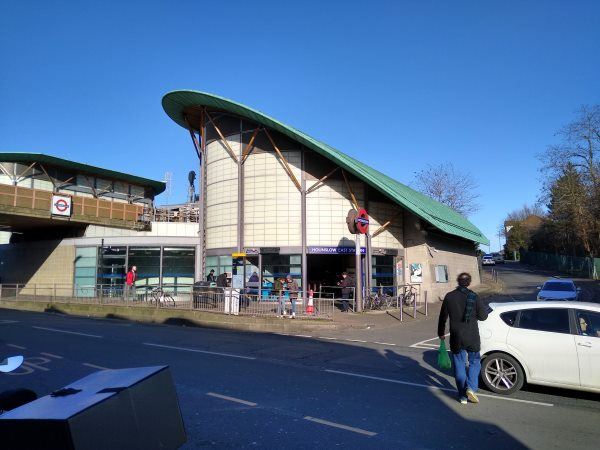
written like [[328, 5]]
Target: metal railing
[[224, 300], [405, 299]]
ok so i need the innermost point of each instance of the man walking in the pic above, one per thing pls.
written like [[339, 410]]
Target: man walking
[[130, 282], [346, 283], [465, 309], [292, 288]]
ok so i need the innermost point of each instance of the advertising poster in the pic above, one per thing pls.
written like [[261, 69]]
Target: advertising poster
[[416, 273]]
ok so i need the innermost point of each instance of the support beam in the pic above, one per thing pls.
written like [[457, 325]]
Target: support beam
[[22, 174], [284, 161], [249, 147], [225, 143], [315, 186], [354, 202], [383, 227], [49, 177], [194, 139]]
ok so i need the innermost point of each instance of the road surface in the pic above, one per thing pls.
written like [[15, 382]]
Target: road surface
[[349, 389]]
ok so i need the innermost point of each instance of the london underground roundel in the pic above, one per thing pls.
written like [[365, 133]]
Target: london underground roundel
[[362, 221]]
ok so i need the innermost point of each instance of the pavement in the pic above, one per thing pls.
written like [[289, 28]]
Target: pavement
[[360, 387]]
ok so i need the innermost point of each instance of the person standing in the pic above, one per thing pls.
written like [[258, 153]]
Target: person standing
[[346, 283], [130, 282], [465, 309], [278, 288], [211, 276], [292, 288]]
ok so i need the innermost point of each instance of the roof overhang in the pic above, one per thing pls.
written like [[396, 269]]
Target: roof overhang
[[184, 106]]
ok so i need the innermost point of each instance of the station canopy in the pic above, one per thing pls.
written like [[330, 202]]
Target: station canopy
[[185, 103]]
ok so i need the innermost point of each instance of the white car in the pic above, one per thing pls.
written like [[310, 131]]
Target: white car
[[553, 343], [498, 258], [488, 260], [558, 289]]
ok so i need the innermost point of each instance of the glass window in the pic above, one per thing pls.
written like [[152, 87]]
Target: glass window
[[111, 266], [279, 266], [85, 271], [555, 320], [561, 286], [441, 274], [147, 262], [382, 268], [178, 268], [509, 317], [588, 323]]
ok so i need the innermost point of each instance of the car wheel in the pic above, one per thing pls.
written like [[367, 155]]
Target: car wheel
[[502, 374]]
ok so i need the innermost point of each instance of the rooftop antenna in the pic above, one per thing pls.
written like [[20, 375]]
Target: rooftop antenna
[[169, 182]]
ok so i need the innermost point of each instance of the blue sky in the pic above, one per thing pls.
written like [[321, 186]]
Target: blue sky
[[397, 84]]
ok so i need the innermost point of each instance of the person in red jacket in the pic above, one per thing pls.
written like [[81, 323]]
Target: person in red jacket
[[130, 282]]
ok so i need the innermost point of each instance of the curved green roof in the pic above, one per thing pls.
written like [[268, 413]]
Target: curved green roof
[[157, 186], [433, 212]]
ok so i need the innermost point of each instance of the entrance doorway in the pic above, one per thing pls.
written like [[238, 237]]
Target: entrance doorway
[[325, 271]]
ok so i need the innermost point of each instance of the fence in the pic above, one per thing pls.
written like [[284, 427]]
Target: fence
[[404, 299], [188, 297], [573, 265]]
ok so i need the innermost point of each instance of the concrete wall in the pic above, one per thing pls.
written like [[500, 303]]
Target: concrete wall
[[41, 262], [433, 249]]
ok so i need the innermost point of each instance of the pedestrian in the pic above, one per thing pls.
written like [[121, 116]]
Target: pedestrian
[[130, 282], [278, 288], [465, 309], [346, 283], [292, 288], [211, 276]]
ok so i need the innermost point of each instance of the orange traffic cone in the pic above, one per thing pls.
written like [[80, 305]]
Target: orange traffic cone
[[310, 308]]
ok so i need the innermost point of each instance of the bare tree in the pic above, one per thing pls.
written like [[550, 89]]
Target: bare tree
[[449, 186]]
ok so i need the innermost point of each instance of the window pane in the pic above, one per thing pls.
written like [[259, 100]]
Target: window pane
[[147, 262], [544, 319], [509, 317], [589, 323], [178, 265], [111, 265]]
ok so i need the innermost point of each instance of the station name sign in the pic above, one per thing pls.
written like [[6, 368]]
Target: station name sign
[[334, 250]]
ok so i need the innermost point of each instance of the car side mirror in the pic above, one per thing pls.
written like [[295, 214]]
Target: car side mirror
[[539, 288]]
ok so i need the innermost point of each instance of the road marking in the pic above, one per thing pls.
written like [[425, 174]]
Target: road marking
[[68, 332], [427, 386], [341, 426], [417, 344], [231, 399], [94, 366], [6, 321], [383, 343], [51, 355], [325, 337], [16, 346], [355, 340], [303, 335], [199, 351]]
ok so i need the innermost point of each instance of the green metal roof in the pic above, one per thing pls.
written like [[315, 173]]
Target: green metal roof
[[157, 186], [432, 211]]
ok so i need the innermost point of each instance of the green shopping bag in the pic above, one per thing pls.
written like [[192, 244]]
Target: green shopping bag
[[444, 362]]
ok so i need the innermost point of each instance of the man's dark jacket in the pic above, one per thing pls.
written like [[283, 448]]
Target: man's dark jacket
[[463, 335]]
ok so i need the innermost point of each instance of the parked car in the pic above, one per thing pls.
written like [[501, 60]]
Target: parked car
[[498, 258], [552, 343], [488, 260], [558, 289]]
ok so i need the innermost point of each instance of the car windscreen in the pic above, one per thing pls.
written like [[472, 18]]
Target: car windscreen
[[558, 286]]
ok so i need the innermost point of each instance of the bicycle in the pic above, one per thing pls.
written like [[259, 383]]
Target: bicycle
[[161, 297], [408, 296], [379, 301]]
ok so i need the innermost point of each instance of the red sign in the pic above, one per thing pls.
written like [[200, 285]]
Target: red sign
[[61, 205], [362, 221]]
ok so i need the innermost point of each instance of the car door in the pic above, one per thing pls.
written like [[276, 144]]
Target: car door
[[543, 341], [588, 347]]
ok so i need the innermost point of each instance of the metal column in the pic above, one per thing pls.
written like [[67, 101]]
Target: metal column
[[358, 276], [303, 225]]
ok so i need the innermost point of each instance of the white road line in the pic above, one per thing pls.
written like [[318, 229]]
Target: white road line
[[383, 343], [198, 351], [16, 346], [355, 340], [326, 337], [427, 340], [231, 399], [68, 332], [94, 366], [51, 355], [7, 321], [302, 335], [408, 383], [341, 426]]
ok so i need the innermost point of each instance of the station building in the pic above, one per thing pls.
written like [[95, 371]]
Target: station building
[[268, 193]]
